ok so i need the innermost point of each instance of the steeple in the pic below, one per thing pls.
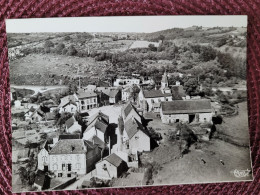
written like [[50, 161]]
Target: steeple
[[164, 82]]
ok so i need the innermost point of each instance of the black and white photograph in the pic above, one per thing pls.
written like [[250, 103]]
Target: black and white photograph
[[101, 102]]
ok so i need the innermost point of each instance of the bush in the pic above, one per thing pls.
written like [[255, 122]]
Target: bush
[[64, 51], [72, 51], [59, 48]]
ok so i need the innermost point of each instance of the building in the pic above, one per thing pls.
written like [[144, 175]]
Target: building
[[165, 84], [68, 104], [87, 100], [109, 95], [129, 111], [73, 156], [135, 136], [97, 126], [126, 94], [110, 167], [72, 126], [126, 81], [186, 111], [43, 157], [41, 181], [148, 99]]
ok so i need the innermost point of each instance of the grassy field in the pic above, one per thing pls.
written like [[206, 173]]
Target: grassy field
[[190, 168]]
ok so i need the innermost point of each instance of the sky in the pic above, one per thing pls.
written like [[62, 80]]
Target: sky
[[120, 23]]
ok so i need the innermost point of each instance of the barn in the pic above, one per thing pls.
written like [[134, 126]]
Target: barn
[[186, 111]]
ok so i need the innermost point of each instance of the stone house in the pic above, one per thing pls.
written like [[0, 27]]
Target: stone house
[[110, 167], [69, 104], [73, 156], [186, 111], [129, 111], [135, 136], [72, 126], [87, 100], [97, 125]]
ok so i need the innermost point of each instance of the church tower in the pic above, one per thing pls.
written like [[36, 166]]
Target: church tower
[[165, 84]]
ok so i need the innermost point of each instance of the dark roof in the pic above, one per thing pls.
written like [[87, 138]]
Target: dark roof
[[86, 94], [132, 126], [69, 136], [40, 178], [113, 93], [186, 106], [70, 121], [114, 160], [128, 108], [98, 141], [155, 93], [98, 114], [32, 109], [70, 146], [50, 116], [99, 123]]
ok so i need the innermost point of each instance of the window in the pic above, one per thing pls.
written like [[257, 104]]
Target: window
[[69, 175], [104, 167], [63, 167], [59, 174], [177, 120], [69, 167], [95, 100], [82, 102]]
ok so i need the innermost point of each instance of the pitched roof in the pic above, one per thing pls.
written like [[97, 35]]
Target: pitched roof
[[127, 109], [70, 121], [98, 114], [69, 136], [132, 126], [98, 141], [114, 160], [50, 116], [86, 94], [99, 123], [155, 93], [70, 146], [186, 106], [68, 99], [113, 93]]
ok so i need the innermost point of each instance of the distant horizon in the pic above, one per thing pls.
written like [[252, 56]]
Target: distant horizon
[[121, 24]]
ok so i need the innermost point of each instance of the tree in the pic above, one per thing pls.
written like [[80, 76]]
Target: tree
[[48, 44], [191, 86], [63, 118], [134, 92], [121, 125], [72, 51], [59, 48], [152, 47], [161, 37], [23, 174]]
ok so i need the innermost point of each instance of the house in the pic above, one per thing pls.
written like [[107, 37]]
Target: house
[[148, 98], [186, 111], [50, 116], [69, 104], [110, 94], [135, 136], [73, 156], [72, 126], [43, 156], [91, 88], [110, 167], [97, 126], [87, 100], [28, 114], [126, 81], [36, 116], [114, 96], [129, 110], [126, 94]]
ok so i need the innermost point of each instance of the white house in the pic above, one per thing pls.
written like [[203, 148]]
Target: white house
[[126, 81], [69, 104], [43, 157], [135, 136], [186, 111], [73, 156], [97, 126], [126, 94], [110, 167], [72, 126]]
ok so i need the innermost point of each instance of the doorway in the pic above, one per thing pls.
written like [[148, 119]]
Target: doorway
[[191, 118]]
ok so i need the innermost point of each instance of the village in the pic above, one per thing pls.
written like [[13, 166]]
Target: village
[[140, 115]]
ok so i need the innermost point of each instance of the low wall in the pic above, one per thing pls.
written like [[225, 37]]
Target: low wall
[[65, 184]]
